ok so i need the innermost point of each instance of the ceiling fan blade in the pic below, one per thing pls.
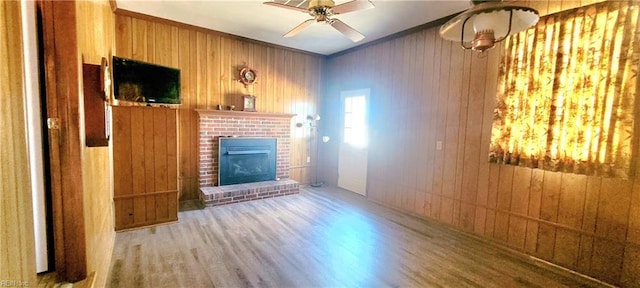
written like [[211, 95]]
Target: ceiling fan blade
[[345, 29], [276, 4], [351, 6], [299, 28]]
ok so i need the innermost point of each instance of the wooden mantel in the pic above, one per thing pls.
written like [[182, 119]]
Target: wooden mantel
[[228, 113]]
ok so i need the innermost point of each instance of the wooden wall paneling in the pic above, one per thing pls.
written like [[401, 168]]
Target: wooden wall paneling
[[172, 163], [440, 116], [201, 93], [188, 137], [145, 161], [548, 212], [213, 71], [138, 43], [149, 152], [533, 210], [17, 260], [374, 191], [386, 112], [125, 37], [138, 176], [570, 213], [613, 208], [413, 117], [96, 39], [419, 123], [392, 154], [503, 203], [468, 153], [552, 215], [405, 129], [461, 92], [611, 223], [390, 116], [123, 169], [631, 262], [592, 195], [432, 66], [378, 100], [631, 266], [466, 194], [492, 200], [607, 260], [279, 90], [451, 127], [268, 78], [160, 159], [633, 231], [150, 56], [175, 44], [485, 218], [519, 206], [185, 144], [226, 64], [475, 166]]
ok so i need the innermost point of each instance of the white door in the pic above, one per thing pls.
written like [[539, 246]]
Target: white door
[[352, 154]]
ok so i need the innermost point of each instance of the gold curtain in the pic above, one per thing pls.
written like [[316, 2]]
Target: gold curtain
[[567, 92]]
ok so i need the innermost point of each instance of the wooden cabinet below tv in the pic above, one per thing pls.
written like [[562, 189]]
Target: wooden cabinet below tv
[[145, 166]]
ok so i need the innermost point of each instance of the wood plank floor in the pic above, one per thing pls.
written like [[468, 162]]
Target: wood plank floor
[[322, 237]]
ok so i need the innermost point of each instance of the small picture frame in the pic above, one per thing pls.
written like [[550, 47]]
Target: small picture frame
[[249, 103]]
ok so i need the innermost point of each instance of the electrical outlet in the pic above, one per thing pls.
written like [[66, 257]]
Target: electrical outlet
[[438, 145], [308, 159]]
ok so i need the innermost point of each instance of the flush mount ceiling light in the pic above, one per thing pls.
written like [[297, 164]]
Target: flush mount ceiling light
[[487, 23]]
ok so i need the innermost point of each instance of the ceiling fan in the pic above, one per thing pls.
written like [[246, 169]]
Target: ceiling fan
[[322, 11]]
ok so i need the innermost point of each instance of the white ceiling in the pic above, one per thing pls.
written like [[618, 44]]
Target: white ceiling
[[254, 20]]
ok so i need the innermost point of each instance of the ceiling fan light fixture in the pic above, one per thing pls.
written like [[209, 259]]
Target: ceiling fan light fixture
[[487, 23]]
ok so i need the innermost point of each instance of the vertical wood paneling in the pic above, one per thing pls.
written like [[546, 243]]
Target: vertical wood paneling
[[17, 259], [149, 164], [533, 211], [570, 220], [145, 161], [209, 63], [137, 160], [94, 35], [570, 214], [519, 206], [503, 204]]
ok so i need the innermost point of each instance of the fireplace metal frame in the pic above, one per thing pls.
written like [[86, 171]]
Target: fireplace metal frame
[[249, 142]]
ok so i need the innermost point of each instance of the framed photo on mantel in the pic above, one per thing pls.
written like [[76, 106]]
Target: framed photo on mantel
[[249, 103]]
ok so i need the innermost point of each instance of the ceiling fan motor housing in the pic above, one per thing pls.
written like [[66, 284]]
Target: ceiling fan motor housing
[[316, 4]]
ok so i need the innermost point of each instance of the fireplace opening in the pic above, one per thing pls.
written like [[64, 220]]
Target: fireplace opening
[[246, 160]]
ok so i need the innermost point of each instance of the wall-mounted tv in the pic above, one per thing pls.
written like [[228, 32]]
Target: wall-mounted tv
[[139, 81]]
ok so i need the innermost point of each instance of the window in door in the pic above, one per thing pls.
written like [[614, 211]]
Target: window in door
[[355, 124]]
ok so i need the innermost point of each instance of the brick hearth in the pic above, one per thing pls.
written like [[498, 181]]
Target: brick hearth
[[220, 195], [214, 124]]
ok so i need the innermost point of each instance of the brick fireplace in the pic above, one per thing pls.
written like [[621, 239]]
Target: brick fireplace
[[214, 124]]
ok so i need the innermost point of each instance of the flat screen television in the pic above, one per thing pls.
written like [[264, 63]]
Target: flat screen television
[[139, 81]]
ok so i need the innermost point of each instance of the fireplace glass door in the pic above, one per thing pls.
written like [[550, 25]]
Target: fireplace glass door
[[246, 160]]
